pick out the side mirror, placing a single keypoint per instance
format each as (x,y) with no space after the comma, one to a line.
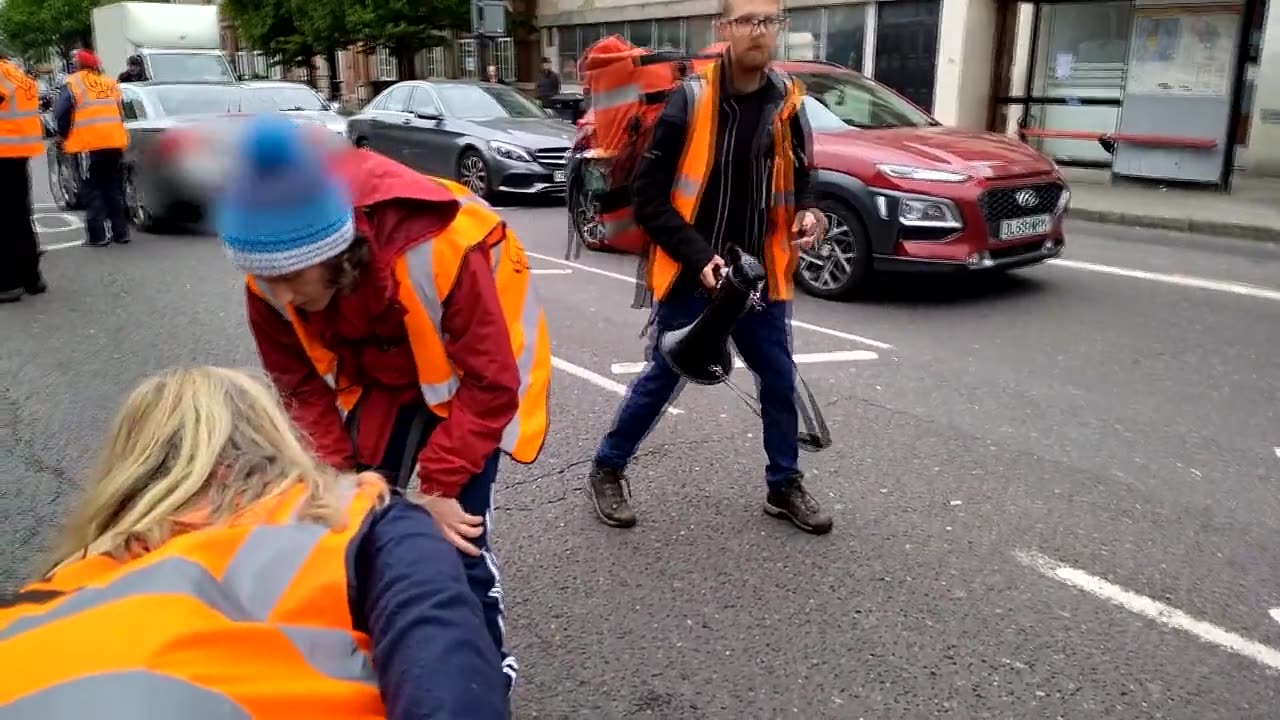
(422,115)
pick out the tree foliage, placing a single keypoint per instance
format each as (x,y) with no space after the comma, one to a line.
(406,25)
(32,26)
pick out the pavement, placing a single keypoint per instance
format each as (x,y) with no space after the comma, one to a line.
(1054,491)
(1249,211)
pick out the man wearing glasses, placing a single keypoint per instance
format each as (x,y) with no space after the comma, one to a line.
(728,165)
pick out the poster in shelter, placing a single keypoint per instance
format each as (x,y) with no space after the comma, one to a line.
(1182,51)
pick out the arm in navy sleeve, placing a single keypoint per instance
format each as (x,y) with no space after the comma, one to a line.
(63,110)
(433,657)
(651,190)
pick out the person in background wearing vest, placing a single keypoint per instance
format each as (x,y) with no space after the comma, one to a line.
(89,120)
(728,163)
(21,138)
(396,314)
(215,568)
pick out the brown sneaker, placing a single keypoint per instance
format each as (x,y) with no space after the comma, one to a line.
(611,496)
(791,501)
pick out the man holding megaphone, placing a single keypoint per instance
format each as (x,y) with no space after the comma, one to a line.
(727,166)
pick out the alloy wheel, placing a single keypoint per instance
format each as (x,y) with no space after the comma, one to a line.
(473,174)
(138,213)
(829,263)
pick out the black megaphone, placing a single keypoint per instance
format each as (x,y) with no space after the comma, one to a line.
(700,352)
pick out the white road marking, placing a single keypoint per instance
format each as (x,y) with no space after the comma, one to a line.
(794,323)
(1275,614)
(632,368)
(551,271)
(599,380)
(1154,610)
(1192,281)
(1277,449)
(62,246)
(69,222)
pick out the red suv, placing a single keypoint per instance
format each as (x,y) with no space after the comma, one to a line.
(901,192)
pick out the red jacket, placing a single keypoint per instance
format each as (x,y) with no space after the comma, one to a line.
(396,209)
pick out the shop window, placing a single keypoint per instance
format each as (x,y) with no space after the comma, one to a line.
(615,28)
(667,35)
(567,45)
(640,32)
(698,33)
(907,48)
(589,35)
(803,35)
(846,35)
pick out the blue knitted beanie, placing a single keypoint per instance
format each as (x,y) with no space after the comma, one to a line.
(281,210)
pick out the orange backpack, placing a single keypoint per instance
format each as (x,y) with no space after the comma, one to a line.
(629,87)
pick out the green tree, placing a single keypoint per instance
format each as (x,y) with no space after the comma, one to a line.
(269,26)
(31,27)
(406,26)
(326,26)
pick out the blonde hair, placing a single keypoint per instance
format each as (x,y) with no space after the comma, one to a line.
(202,442)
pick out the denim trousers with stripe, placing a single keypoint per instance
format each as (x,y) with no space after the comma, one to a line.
(476,498)
(762,338)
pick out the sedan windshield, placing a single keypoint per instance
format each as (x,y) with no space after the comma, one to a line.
(838,101)
(281,98)
(474,102)
(197,99)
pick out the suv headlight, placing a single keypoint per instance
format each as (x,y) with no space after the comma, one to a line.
(905,172)
(919,211)
(507,151)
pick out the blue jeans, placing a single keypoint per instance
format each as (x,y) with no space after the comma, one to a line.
(762,338)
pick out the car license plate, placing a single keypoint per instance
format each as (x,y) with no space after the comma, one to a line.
(1024,227)
(558,176)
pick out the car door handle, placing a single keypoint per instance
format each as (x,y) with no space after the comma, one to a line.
(406,121)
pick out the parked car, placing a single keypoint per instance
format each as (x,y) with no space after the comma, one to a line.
(160,185)
(901,192)
(489,137)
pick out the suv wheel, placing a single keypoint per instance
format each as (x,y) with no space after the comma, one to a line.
(838,263)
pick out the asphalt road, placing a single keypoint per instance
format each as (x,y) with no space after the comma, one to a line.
(1055,492)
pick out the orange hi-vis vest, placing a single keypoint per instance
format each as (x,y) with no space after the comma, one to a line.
(96,123)
(247,620)
(780,256)
(21,135)
(425,274)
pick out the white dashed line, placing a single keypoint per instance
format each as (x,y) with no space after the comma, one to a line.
(795,323)
(1191,281)
(599,380)
(551,271)
(633,368)
(1170,617)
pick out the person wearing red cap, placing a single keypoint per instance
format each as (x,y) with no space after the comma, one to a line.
(89,119)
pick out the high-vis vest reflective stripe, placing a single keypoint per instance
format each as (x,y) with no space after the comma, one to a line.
(426,273)
(780,257)
(21,135)
(249,620)
(96,123)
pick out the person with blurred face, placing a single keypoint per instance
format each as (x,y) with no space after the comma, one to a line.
(548,83)
(21,138)
(728,164)
(396,314)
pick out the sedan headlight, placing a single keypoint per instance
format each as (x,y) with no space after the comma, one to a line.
(507,151)
(905,172)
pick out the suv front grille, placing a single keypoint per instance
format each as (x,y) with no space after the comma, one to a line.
(1003,203)
(551,157)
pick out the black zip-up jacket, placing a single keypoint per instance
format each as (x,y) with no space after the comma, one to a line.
(734,205)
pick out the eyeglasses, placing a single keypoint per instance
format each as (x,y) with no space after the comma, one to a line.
(756,24)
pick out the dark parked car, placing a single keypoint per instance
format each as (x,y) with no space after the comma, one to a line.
(162,184)
(900,190)
(489,137)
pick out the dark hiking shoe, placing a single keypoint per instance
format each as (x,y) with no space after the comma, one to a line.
(121,239)
(790,501)
(97,243)
(11,296)
(611,495)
